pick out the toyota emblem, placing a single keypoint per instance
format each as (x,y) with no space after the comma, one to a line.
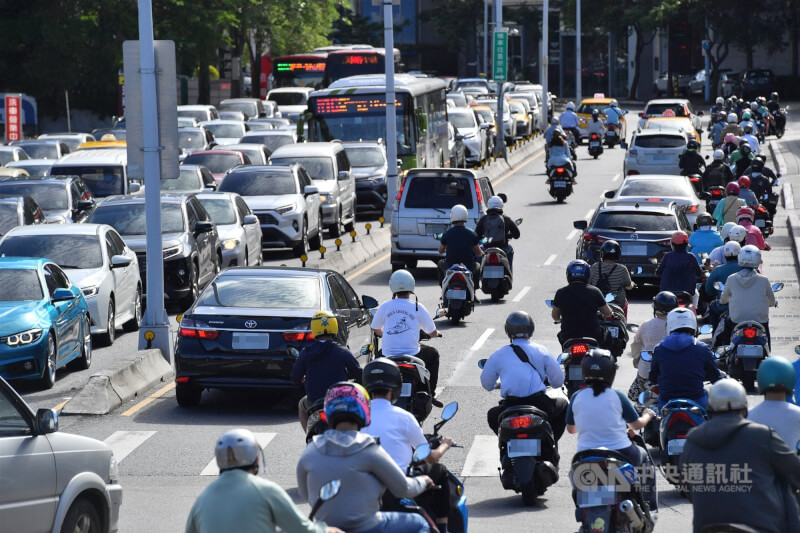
(250,324)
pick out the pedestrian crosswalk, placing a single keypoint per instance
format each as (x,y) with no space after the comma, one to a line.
(483,458)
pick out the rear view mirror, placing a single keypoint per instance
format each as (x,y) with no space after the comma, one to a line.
(705,329)
(344,175)
(777,287)
(481,363)
(85,204)
(120,261)
(560,358)
(329,490)
(133,188)
(518,221)
(610,194)
(580,224)
(310,189)
(422,452)
(369,302)
(644,397)
(46,421)
(449,411)
(63,295)
(646,356)
(719,286)
(609,297)
(204,226)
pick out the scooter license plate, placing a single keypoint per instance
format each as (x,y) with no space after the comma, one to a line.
(761,223)
(597,496)
(455,294)
(405,390)
(594,144)
(560,184)
(524,447)
(675,447)
(613,331)
(494,272)
(575,373)
(749,350)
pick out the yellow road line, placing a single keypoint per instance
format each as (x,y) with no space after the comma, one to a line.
(60,406)
(363,269)
(537,156)
(147,401)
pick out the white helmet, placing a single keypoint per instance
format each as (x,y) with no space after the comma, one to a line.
(737,233)
(571,106)
(720,100)
(733,118)
(719,155)
(613,103)
(458,213)
(727,395)
(754,105)
(495,202)
(401,281)
(731,249)
(681,318)
(750,257)
(726,229)
(238,448)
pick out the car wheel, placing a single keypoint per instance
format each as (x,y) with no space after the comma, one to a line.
(218,265)
(85,360)
(82,517)
(108,337)
(316,241)
(189,299)
(133,323)
(336,228)
(187,395)
(411,264)
(302,247)
(48,378)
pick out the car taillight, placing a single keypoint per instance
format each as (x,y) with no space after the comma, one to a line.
(493,259)
(589,238)
(750,333)
(691,209)
(195,329)
(518,422)
(478,192)
(654,199)
(298,336)
(578,349)
(634,153)
(402,186)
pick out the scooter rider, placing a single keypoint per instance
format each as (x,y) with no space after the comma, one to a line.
(321,363)
(745,217)
(647,337)
(613,114)
(728,207)
(399,434)
(595,125)
(717,110)
(717,173)
(746,194)
(715,132)
(460,245)
(522,368)
(755,147)
(610,277)
(717,255)
(577,304)
(741,158)
(721,274)
(776,379)
(705,238)
(732,127)
(691,162)
(560,155)
(679,270)
(555,125)
(569,121)
(241,500)
(761,177)
(756,472)
(497,227)
(398,322)
(680,362)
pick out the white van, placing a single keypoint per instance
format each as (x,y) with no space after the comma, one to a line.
(292,101)
(104,171)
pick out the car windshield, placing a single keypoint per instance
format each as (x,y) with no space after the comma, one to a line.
(187,180)
(216,163)
(586,109)
(41,150)
(220,210)
(462,120)
(191,138)
(19,285)
(263,293)
(319,168)
(517,107)
(199,114)
(654,110)
(438,193)
(129,219)
(67,251)
(9,216)
(365,156)
(226,131)
(656,188)
(6,156)
(487,115)
(248,108)
(104,180)
(259,183)
(458,98)
(33,169)
(288,98)
(477,83)
(659,141)
(49,196)
(632,221)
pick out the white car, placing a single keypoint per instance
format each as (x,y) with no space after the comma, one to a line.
(655,152)
(258,154)
(475,135)
(676,107)
(238,228)
(97,260)
(658,188)
(292,101)
(272,139)
(73,140)
(226,131)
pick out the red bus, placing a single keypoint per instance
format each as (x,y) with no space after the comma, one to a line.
(298,70)
(357,60)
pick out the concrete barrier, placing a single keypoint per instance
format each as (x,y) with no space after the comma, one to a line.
(787,199)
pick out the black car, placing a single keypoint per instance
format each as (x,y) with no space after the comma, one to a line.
(642,230)
(245,330)
(369,166)
(191,247)
(63,199)
(18,210)
(757,82)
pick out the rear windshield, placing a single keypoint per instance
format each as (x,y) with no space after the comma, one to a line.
(259,183)
(319,168)
(462,120)
(49,196)
(216,163)
(622,221)
(188,180)
(759,74)
(660,141)
(298,98)
(191,138)
(226,131)
(656,188)
(658,109)
(365,157)
(586,109)
(264,293)
(439,193)
(103,180)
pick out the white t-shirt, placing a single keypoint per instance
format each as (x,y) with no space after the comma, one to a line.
(398,430)
(783,417)
(401,320)
(602,421)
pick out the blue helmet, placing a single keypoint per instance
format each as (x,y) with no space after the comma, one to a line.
(578,270)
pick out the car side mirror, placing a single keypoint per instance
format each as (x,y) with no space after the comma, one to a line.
(580,224)
(719,286)
(518,221)
(610,194)
(369,302)
(62,295)
(308,190)
(203,226)
(459,137)
(481,363)
(46,421)
(83,205)
(344,175)
(399,164)
(485,126)
(249,219)
(133,188)
(120,261)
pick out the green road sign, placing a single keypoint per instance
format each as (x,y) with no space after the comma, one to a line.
(500,57)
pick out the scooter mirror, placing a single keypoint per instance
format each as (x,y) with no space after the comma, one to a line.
(609,297)
(560,358)
(364,351)
(637,270)
(421,453)
(797,447)
(438,236)
(633,328)
(705,329)
(503,197)
(449,411)
(719,352)
(777,287)
(549,303)
(481,363)
(719,286)
(518,221)
(797,349)
(329,490)
(646,356)
(644,397)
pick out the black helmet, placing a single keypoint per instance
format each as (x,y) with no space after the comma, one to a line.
(757,164)
(578,270)
(692,145)
(382,374)
(610,250)
(704,219)
(519,325)
(598,366)
(664,302)
(745,148)
(773,97)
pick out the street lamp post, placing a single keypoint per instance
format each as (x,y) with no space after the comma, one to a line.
(578,73)
(544,59)
(391,122)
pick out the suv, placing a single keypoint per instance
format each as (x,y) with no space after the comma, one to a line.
(191,248)
(655,152)
(642,230)
(369,167)
(53,481)
(63,199)
(286,202)
(757,82)
(329,167)
(423,210)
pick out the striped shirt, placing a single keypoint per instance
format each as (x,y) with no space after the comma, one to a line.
(618,278)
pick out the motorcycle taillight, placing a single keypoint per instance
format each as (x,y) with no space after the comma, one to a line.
(493,259)
(680,416)
(578,349)
(518,422)
(594,136)
(750,333)
(458,277)
(560,170)
(716,192)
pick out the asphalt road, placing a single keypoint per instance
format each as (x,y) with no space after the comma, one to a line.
(166,452)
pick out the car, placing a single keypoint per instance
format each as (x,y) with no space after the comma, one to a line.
(475,135)
(99,145)
(258,154)
(292,101)
(272,139)
(482,83)
(200,112)
(655,188)
(728,84)
(260,125)
(369,166)
(250,107)
(95,258)
(53,481)
(643,231)
(682,124)
(247,332)
(73,140)
(33,167)
(660,85)
(676,107)
(219,162)
(105,172)
(584,113)
(757,82)
(486,116)
(459,99)
(275,122)
(236,116)
(18,210)
(458,152)
(655,152)
(238,228)
(286,202)
(697,84)
(534,113)
(197,139)
(187,122)
(191,248)
(226,131)
(509,124)
(423,210)
(44,149)
(63,199)
(12,153)
(329,168)
(521,113)
(6,172)
(46,322)
(191,178)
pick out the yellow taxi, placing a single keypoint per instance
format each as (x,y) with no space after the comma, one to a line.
(487,113)
(673,123)
(584,112)
(521,117)
(95,145)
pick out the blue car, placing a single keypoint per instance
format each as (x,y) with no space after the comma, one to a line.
(44,321)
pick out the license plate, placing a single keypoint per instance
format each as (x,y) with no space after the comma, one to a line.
(661,157)
(575,373)
(675,447)
(250,341)
(613,331)
(405,391)
(749,350)
(594,144)
(597,497)
(453,294)
(634,249)
(761,223)
(524,447)
(559,184)
(494,272)
(434,229)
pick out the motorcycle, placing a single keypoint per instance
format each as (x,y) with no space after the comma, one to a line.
(317,422)
(695,178)
(778,122)
(528,452)
(712,196)
(573,352)
(595,146)
(612,135)
(763,220)
(560,180)
(496,275)
(458,293)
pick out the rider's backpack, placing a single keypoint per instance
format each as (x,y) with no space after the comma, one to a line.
(494,230)
(602,281)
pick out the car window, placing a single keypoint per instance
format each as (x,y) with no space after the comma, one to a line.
(50,281)
(202,214)
(33,213)
(187,180)
(20,284)
(62,281)
(110,249)
(305,179)
(9,216)
(429,192)
(630,221)
(659,141)
(486,190)
(259,183)
(658,109)
(241,207)
(208,177)
(119,244)
(655,188)
(342,161)
(12,422)
(69,251)
(220,210)
(462,120)
(129,219)
(319,168)
(352,299)
(75,194)
(338,298)
(191,216)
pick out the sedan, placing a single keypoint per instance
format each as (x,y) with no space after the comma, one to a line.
(97,260)
(19,211)
(219,162)
(258,154)
(226,131)
(45,321)
(238,228)
(44,149)
(247,329)
(655,189)
(655,152)
(272,139)
(475,134)
(63,199)
(192,140)
(73,140)
(192,178)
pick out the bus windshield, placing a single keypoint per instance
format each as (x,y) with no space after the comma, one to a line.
(299,71)
(343,65)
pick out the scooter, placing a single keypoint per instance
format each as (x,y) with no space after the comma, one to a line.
(317,422)
(595,146)
(528,452)
(458,293)
(496,275)
(713,196)
(573,352)
(612,135)
(763,220)
(560,179)
(327,492)
(695,178)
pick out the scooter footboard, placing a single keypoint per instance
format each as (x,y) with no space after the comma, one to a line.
(524,468)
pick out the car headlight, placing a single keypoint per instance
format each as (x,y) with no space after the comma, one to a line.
(285,209)
(88,292)
(24,337)
(230,244)
(323,198)
(113,469)
(172,252)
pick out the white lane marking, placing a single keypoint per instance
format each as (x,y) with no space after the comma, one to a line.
(550,259)
(616,177)
(124,442)
(589,214)
(572,234)
(263,439)
(483,458)
(482,339)
(455,378)
(521,294)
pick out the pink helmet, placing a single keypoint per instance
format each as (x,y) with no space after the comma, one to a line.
(730,137)
(745,212)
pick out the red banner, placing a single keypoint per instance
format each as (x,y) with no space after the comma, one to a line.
(13,118)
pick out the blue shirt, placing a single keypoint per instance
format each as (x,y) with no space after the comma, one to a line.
(613,114)
(460,244)
(721,274)
(679,271)
(716,131)
(680,366)
(749,197)
(704,241)
(568,119)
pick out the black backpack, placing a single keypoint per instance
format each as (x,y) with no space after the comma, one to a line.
(602,281)
(494,229)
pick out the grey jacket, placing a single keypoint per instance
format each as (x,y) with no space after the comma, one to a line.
(764,465)
(365,470)
(749,296)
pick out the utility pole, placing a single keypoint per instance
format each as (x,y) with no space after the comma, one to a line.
(544,59)
(391,122)
(578,73)
(486,37)
(498,26)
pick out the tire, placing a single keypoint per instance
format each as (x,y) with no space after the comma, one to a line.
(749,380)
(107,338)
(82,517)
(596,156)
(529,494)
(187,395)
(133,323)
(335,229)
(397,266)
(301,248)
(411,264)
(497,295)
(350,226)
(48,379)
(85,360)
(316,241)
(194,290)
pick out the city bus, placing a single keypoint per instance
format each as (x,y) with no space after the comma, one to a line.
(354,108)
(299,70)
(357,60)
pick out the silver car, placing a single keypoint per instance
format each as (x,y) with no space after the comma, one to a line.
(655,152)
(53,481)
(97,260)
(658,188)
(192,178)
(258,154)
(226,131)
(475,134)
(12,153)
(238,228)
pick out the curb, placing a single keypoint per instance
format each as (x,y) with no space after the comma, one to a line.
(107,390)
(787,198)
